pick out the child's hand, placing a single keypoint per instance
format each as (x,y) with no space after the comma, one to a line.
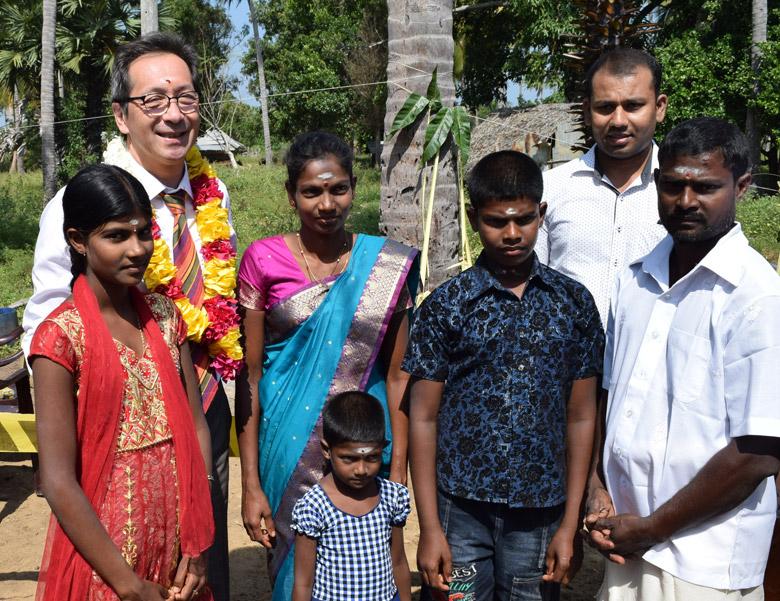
(256,513)
(434,560)
(564,557)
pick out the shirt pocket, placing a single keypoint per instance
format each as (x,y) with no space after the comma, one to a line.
(687,360)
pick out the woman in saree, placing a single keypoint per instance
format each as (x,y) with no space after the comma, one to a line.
(124,447)
(325,311)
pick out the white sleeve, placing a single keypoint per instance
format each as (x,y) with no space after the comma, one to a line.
(542,246)
(51,270)
(226,204)
(751,358)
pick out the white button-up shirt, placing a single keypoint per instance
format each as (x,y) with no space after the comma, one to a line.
(591,231)
(51,266)
(689,368)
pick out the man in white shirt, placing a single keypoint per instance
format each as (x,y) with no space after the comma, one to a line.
(683,500)
(601,207)
(147,73)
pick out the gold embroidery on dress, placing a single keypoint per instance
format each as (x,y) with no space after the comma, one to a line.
(129,548)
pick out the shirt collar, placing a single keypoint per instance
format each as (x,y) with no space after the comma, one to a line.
(586,164)
(723,260)
(482,279)
(153,186)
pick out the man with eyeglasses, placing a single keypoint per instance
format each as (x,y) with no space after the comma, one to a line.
(155,105)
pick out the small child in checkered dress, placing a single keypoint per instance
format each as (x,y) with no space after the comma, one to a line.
(349,537)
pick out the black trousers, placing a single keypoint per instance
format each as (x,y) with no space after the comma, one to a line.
(218,419)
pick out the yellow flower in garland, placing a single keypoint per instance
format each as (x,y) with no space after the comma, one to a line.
(219,278)
(197,319)
(212,222)
(229,344)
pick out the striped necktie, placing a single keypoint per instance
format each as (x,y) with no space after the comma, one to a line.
(188,271)
(185,257)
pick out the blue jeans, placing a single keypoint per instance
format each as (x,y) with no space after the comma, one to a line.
(497,552)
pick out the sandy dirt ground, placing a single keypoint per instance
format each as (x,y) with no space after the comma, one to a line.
(24,517)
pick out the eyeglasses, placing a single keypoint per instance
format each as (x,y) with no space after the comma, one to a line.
(157,104)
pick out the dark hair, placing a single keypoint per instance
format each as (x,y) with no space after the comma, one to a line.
(706,134)
(98,194)
(315,145)
(151,43)
(504,175)
(353,416)
(624,61)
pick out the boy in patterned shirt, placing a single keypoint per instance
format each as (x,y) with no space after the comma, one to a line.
(504,358)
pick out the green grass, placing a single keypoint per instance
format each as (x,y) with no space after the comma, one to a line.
(760,219)
(260,209)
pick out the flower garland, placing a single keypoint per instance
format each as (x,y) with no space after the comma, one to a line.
(215,324)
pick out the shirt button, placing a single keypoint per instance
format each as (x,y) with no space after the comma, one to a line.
(521,367)
(619,453)
(655,334)
(629,413)
(619,228)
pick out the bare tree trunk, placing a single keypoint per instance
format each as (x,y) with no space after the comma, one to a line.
(269,157)
(752,127)
(48,151)
(419,39)
(149,20)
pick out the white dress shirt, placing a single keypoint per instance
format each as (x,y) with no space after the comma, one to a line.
(691,367)
(51,265)
(591,231)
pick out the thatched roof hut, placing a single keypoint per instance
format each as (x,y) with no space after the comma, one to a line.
(545,131)
(215,144)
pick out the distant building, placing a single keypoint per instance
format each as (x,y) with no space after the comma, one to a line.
(216,145)
(546,132)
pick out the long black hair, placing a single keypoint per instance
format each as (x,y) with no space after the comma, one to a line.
(96,195)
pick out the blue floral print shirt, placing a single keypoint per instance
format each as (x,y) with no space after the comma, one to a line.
(508,365)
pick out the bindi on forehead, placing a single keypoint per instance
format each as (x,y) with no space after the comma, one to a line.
(689,171)
(364,450)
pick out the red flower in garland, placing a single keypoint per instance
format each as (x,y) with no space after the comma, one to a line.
(220,249)
(172,289)
(223,315)
(226,367)
(205,189)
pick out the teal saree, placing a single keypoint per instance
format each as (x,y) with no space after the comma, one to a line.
(320,342)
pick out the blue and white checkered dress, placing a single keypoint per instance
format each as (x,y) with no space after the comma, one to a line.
(353,552)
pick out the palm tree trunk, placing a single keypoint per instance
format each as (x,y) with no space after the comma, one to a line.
(149,20)
(48,151)
(752,127)
(419,39)
(263,89)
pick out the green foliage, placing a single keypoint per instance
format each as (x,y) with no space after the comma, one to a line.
(412,108)
(703,79)
(20,199)
(436,133)
(760,219)
(310,46)
(521,40)
(71,140)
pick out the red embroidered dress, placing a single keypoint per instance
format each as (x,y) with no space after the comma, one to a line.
(140,507)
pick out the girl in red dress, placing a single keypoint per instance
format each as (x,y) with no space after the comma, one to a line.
(123,444)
